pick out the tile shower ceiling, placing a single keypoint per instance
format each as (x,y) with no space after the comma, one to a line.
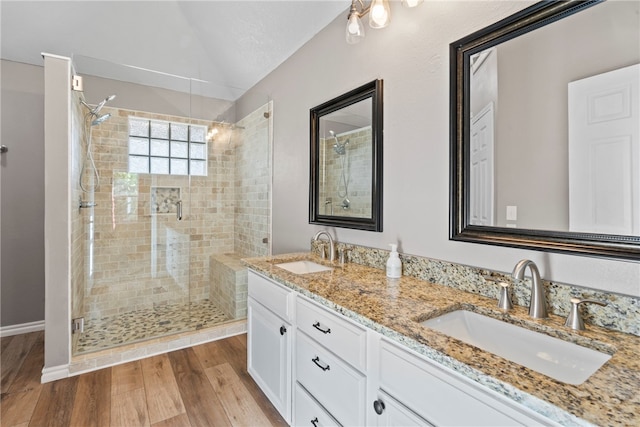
(231,44)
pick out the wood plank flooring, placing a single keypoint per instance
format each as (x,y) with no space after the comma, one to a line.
(206,385)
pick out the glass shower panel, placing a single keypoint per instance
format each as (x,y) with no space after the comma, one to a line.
(131,246)
(184,193)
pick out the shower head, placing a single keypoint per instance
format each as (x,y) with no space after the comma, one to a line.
(100,119)
(102,103)
(340,149)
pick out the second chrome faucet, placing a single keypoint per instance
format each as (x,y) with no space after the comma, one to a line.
(538,304)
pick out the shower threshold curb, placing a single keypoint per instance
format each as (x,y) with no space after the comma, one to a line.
(128,353)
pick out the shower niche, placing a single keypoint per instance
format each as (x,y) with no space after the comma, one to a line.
(345,185)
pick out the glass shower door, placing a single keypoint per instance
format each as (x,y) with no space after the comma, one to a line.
(136,232)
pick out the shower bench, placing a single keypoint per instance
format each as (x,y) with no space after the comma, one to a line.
(228,284)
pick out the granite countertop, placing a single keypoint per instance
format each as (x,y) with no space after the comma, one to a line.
(394,308)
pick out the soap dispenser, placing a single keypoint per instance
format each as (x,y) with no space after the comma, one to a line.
(394,265)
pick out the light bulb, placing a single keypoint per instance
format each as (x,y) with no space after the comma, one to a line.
(355,29)
(411,3)
(379,14)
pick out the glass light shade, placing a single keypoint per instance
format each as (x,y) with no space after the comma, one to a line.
(411,3)
(379,14)
(355,29)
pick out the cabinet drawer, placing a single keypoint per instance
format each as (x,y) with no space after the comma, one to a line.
(343,338)
(333,383)
(308,412)
(435,393)
(275,297)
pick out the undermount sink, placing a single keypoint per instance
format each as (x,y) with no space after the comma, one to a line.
(304,267)
(558,359)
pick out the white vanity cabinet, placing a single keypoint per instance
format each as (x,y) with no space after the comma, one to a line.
(343,373)
(270,331)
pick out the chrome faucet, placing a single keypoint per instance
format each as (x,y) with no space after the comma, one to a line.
(332,249)
(537,305)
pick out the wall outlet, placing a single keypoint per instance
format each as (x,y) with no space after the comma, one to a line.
(512,213)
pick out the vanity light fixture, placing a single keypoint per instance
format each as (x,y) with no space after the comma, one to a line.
(211,135)
(379,16)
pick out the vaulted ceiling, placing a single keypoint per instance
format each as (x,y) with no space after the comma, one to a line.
(231,45)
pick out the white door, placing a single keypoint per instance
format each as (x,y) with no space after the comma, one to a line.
(482,191)
(604,153)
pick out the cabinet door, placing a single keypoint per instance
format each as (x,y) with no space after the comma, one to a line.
(268,356)
(390,412)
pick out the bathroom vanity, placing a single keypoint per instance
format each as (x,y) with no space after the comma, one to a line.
(346,346)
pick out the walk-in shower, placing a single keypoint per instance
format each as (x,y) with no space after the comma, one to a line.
(168,208)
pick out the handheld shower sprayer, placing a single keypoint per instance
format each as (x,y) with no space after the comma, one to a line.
(341,151)
(100,119)
(91,119)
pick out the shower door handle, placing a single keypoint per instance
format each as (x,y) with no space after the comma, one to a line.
(3,149)
(179,210)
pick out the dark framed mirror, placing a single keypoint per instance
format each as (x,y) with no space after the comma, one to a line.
(544,139)
(345,185)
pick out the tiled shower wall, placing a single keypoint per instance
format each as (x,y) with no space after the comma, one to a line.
(135,258)
(357,169)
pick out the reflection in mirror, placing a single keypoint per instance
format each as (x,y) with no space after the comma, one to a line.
(546,137)
(346,166)
(345,162)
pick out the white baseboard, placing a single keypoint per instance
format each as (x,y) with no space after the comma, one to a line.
(54,373)
(23,328)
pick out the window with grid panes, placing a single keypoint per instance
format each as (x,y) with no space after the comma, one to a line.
(167,148)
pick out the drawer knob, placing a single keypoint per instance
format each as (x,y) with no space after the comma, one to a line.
(324,331)
(315,422)
(282,330)
(378,406)
(316,360)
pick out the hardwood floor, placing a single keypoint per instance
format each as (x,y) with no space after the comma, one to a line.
(206,385)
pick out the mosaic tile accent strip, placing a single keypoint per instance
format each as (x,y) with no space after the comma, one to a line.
(622,312)
(145,324)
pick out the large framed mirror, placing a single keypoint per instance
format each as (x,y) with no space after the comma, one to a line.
(345,185)
(545,133)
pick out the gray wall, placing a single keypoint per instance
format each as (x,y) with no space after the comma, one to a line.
(22,127)
(412,56)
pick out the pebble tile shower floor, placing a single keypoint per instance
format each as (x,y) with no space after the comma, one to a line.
(141,325)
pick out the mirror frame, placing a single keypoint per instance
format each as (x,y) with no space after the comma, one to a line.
(372,90)
(460,229)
